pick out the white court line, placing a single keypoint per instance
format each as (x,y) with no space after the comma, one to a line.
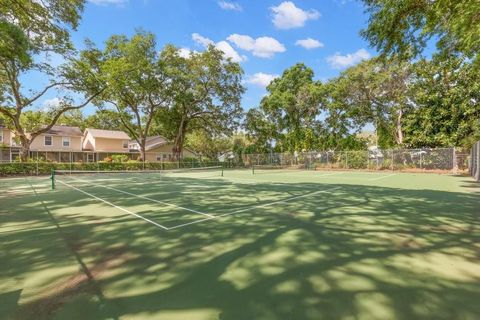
(189,223)
(149,199)
(252,207)
(115,206)
(390,175)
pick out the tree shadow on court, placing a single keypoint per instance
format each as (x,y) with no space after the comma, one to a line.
(356,251)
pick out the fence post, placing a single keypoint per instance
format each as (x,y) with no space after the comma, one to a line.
(454,161)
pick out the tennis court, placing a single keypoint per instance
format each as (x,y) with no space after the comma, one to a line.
(240,244)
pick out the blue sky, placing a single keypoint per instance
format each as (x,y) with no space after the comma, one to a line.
(266,36)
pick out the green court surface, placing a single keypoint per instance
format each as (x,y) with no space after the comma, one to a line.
(275,245)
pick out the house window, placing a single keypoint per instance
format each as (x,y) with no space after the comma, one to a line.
(164,156)
(48,140)
(125,144)
(159,157)
(66,141)
(1,136)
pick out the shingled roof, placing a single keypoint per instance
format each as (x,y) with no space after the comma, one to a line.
(109,134)
(65,131)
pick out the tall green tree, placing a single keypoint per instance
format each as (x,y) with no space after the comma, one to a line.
(375,91)
(28,29)
(207,89)
(292,105)
(445,104)
(134,75)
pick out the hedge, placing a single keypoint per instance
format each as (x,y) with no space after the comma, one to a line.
(45,168)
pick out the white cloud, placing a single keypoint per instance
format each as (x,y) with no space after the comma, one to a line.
(227,5)
(224,46)
(339,61)
(263,47)
(109,2)
(230,52)
(51,104)
(201,40)
(288,16)
(261,79)
(184,53)
(309,43)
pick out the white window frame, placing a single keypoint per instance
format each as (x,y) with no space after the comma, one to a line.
(90,157)
(66,139)
(45,141)
(125,143)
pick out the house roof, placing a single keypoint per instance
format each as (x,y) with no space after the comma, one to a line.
(154,142)
(109,134)
(65,131)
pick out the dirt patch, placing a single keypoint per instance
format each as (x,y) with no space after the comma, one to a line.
(54,296)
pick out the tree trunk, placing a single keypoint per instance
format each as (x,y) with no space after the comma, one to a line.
(399,133)
(25,148)
(142,149)
(179,140)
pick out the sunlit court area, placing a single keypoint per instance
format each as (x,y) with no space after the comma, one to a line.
(214,243)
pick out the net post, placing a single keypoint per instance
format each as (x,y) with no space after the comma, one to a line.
(222,170)
(52,177)
(253,169)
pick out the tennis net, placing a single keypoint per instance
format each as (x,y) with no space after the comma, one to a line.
(277,168)
(137,175)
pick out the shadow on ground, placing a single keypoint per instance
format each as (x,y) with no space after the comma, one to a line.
(358,252)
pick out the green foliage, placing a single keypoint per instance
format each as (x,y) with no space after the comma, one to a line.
(446,100)
(14,45)
(104,119)
(206,93)
(405,26)
(47,23)
(207,145)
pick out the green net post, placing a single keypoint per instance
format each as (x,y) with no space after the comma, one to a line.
(52,177)
(253,169)
(222,170)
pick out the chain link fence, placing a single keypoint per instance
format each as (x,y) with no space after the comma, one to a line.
(441,160)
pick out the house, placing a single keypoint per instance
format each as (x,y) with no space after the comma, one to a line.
(99,144)
(9,150)
(59,138)
(60,143)
(6,137)
(158,148)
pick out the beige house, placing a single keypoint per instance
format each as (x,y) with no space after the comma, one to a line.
(157,148)
(109,141)
(61,144)
(9,150)
(6,137)
(59,138)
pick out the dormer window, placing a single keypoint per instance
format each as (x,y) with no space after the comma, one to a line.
(48,141)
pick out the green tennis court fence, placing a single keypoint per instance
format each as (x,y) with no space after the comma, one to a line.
(475,161)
